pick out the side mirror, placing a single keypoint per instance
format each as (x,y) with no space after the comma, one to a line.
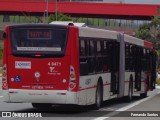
(4,35)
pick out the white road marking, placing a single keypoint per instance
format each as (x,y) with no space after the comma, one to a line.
(125,108)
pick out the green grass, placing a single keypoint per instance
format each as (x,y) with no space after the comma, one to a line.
(1,43)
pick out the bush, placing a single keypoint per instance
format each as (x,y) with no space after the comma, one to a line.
(158,81)
(1,53)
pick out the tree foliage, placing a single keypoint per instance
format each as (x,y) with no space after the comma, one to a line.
(143,32)
(60,17)
(151,32)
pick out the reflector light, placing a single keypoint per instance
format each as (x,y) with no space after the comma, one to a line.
(72,76)
(4,74)
(71,86)
(4,77)
(4,84)
(11,92)
(72,83)
(37,55)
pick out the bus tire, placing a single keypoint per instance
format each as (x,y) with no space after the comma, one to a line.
(99,96)
(130,92)
(41,105)
(143,95)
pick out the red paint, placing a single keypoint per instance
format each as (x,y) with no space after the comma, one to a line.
(80,8)
(38,55)
(148,44)
(106,84)
(126,81)
(87,88)
(40,65)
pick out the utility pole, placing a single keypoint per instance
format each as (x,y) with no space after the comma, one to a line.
(56,9)
(46,11)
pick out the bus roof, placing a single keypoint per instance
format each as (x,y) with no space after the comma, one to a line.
(97,33)
(102,33)
(67,23)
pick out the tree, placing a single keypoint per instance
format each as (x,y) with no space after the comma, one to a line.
(60,17)
(151,32)
(143,32)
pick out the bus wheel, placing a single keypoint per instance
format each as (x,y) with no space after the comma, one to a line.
(98,99)
(41,105)
(130,92)
(143,95)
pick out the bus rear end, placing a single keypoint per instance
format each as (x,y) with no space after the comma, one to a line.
(37,65)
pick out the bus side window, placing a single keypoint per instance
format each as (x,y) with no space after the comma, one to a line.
(129,57)
(83,57)
(99,49)
(91,48)
(99,58)
(82,48)
(148,60)
(91,57)
(105,54)
(144,60)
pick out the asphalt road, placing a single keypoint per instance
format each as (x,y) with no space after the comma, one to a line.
(111,107)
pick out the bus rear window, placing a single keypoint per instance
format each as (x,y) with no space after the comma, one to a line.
(38,40)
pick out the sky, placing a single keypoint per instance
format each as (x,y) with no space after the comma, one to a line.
(134,1)
(143,1)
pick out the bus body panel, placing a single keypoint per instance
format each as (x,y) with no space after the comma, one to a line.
(44,80)
(73,44)
(87,88)
(23,83)
(6,44)
(48,74)
(42,96)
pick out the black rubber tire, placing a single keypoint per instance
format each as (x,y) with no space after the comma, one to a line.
(98,97)
(143,95)
(130,92)
(130,95)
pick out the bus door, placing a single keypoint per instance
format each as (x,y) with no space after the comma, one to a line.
(153,70)
(114,49)
(138,67)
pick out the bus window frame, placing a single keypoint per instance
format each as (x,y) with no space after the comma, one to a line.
(43,53)
(87,58)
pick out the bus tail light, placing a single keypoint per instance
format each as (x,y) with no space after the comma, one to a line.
(72,81)
(4,78)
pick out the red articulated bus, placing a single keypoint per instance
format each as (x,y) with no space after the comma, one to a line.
(47,64)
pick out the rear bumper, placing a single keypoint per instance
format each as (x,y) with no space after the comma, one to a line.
(40,96)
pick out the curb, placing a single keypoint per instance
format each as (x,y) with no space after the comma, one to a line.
(157,86)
